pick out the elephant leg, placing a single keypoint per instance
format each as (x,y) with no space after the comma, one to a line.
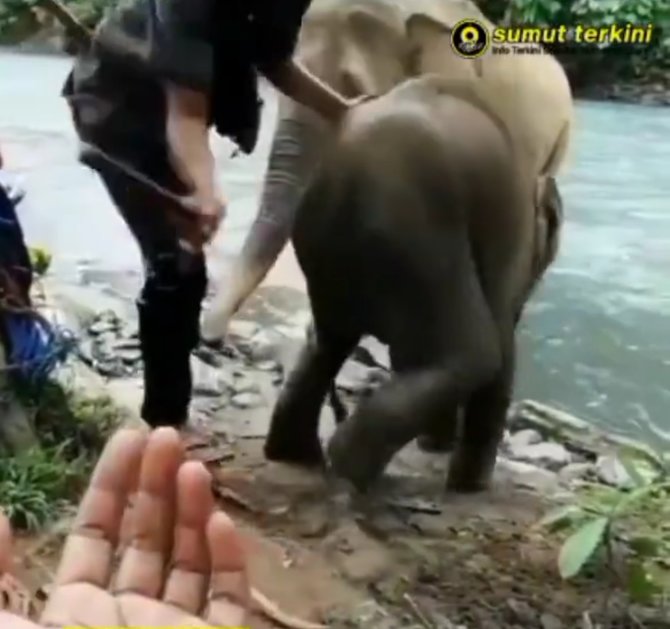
(440,436)
(440,432)
(466,341)
(473,461)
(294,427)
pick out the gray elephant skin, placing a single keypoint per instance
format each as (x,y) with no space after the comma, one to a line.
(366,47)
(421,227)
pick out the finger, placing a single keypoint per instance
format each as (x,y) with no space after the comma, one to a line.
(153,516)
(229,586)
(187,582)
(5,544)
(89,548)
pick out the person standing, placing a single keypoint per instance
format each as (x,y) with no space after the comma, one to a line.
(158,76)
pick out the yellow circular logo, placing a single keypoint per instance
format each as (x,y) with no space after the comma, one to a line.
(470,39)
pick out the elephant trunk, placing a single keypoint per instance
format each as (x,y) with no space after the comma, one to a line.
(293,154)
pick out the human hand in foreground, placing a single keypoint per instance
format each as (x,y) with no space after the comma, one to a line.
(184,564)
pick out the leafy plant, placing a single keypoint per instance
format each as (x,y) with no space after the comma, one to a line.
(35,485)
(40,260)
(636,521)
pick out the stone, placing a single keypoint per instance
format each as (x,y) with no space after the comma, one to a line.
(354,377)
(206,379)
(545,419)
(243,329)
(522,612)
(549,621)
(246,400)
(611,471)
(526,437)
(549,455)
(245,384)
(527,475)
(268,365)
(576,471)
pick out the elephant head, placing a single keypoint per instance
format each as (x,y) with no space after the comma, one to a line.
(358,47)
(367,47)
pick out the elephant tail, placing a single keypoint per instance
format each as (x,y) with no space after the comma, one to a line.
(558,151)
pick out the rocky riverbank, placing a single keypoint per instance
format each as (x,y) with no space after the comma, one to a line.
(474,562)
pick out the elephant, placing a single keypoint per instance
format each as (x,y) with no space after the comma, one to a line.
(366,47)
(421,227)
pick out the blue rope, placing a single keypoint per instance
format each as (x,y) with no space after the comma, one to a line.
(36,346)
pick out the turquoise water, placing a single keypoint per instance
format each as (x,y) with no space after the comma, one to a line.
(596,338)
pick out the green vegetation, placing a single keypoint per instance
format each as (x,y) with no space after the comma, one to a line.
(627,530)
(36,484)
(648,64)
(612,63)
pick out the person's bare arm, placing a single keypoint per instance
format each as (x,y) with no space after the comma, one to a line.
(295,81)
(188,139)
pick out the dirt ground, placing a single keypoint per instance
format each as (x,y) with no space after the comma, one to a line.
(408,555)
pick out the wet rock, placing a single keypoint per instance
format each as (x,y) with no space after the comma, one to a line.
(207,380)
(576,471)
(246,400)
(551,456)
(356,378)
(548,621)
(545,419)
(242,329)
(372,353)
(522,612)
(528,475)
(268,365)
(105,322)
(611,471)
(245,384)
(523,438)
(129,355)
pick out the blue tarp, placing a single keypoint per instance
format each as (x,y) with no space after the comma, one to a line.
(32,346)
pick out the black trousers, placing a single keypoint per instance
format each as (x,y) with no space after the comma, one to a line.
(125,116)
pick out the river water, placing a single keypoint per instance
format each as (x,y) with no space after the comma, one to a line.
(596,338)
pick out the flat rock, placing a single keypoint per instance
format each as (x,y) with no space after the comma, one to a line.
(528,475)
(246,400)
(207,380)
(549,455)
(611,471)
(523,438)
(243,329)
(576,471)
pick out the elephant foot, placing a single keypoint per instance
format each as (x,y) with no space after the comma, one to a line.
(294,451)
(355,458)
(435,444)
(471,470)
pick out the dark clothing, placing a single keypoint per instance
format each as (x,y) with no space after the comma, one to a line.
(118,104)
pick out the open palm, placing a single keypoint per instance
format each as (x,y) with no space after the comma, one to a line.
(183,565)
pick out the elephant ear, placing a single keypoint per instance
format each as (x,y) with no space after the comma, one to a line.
(549,213)
(430,24)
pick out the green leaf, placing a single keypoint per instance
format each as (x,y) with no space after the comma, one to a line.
(561,515)
(580,546)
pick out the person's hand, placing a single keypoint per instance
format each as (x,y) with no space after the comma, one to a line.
(349,106)
(199,219)
(184,564)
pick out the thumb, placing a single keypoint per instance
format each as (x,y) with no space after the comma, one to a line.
(6,558)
